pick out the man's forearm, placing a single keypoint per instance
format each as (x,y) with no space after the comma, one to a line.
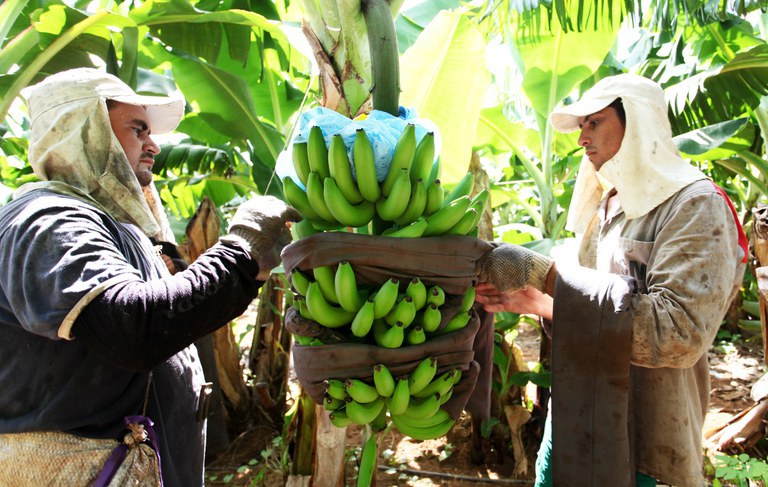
(136,325)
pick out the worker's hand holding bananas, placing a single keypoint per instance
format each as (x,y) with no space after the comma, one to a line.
(513,268)
(259,225)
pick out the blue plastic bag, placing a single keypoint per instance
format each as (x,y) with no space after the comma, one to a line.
(383,131)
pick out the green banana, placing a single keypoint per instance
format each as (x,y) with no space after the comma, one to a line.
(303,228)
(479,200)
(364,413)
(332,404)
(437,426)
(388,336)
(324,277)
(317,152)
(439,417)
(462,188)
(316,342)
(446,217)
(412,230)
(417,291)
(459,321)
(468,300)
(368,457)
(417,202)
(365,167)
(435,295)
(339,418)
(360,391)
(435,173)
(423,433)
(400,397)
(466,223)
(422,408)
(363,320)
(323,312)
(383,380)
(300,303)
(404,311)
(341,171)
(392,207)
(299,281)
(431,318)
(335,388)
(402,158)
(423,158)
(380,422)
(302,340)
(415,335)
(435,197)
(316,197)
(422,375)
(300,159)
(342,210)
(439,385)
(446,397)
(299,199)
(345,284)
(385,298)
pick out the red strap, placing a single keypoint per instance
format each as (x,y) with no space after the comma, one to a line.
(742,236)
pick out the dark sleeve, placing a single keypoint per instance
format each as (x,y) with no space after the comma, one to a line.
(138,324)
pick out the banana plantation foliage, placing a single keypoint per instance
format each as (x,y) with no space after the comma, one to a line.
(458,97)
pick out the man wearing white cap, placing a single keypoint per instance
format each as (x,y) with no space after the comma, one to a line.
(661,255)
(95,333)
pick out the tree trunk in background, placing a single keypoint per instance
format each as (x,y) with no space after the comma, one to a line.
(270,351)
(202,232)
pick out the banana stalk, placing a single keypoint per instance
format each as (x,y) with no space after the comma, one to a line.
(385,58)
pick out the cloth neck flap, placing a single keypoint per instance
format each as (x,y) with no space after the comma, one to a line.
(646,170)
(73,144)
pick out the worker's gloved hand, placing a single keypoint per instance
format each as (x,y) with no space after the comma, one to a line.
(259,225)
(512,268)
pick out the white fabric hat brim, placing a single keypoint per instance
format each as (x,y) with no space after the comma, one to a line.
(566,119)
(164,112)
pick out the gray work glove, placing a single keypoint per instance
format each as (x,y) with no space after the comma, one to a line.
(513,268)
(259,226)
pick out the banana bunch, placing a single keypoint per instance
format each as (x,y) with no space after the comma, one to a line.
(412,402)
(389,315)
(409,202)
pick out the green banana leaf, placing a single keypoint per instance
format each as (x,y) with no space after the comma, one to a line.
(716,141)
(224,101)
(58,28)
(443,77)
(410,22)
(557,62)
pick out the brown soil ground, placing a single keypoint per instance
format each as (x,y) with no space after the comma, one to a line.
(448,461)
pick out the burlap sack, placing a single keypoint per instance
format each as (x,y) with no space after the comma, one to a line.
(446,261)
(56,458)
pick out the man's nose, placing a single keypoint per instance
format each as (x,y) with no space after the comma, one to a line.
(584,140)
(151,147)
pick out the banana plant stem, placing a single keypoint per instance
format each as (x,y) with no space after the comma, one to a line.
(385,58)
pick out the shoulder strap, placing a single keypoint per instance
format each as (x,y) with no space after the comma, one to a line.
(742,235)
